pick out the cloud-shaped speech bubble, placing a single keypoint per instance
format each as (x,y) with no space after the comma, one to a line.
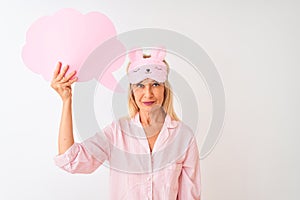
(70,37)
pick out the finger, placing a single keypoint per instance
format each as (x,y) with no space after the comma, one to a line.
(70,82)
(63,80)
(62,73)
(70,76)
(57,70)
(66,79)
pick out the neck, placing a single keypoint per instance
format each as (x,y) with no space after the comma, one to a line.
(145,118)
(155,117)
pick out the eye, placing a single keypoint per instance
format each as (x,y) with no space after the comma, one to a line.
(156,84)
(136,70)
(139,85)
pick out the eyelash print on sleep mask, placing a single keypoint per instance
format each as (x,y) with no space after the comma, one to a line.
(141,68)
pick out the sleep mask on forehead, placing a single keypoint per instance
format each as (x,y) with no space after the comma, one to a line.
(141,68)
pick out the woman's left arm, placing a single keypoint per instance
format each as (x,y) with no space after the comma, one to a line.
(189,180)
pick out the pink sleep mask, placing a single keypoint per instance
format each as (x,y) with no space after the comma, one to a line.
(141,68)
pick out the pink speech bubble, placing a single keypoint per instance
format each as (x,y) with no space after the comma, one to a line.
(69,37)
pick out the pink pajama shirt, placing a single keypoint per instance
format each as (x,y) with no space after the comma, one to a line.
(171,171)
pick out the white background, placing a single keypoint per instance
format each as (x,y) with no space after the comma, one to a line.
(255,47)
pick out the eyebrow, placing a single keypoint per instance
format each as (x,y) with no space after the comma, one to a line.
(142,82)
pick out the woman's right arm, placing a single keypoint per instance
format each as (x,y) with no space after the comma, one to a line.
(62,85)
(72,157)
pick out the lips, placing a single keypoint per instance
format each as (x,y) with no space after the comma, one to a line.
(148,103)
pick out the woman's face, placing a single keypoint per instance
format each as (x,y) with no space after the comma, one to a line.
(148,93)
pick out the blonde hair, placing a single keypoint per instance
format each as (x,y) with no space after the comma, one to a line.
(168,97)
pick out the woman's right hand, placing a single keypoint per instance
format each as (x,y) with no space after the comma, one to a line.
(62,83)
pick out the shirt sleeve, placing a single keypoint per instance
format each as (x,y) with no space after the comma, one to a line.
(85,157)
(189,180)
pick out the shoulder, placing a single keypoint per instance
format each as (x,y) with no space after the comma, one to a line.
(184,132)
(115,124)
(118,125)
(182,126)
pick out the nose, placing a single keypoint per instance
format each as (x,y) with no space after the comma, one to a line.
(148,91)
(147,70)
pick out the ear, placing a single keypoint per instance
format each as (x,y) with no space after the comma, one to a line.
(159,53)
(135,54)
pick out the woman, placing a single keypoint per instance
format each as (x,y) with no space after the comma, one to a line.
(152,155)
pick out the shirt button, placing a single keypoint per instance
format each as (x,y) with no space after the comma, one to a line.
(148,179)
